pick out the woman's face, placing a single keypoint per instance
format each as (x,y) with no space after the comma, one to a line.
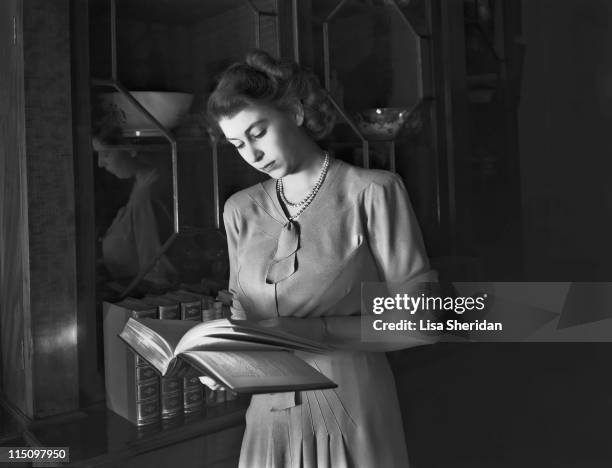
(119,163)
(266,138)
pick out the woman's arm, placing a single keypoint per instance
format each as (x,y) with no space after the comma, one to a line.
(231,220)
(344,333)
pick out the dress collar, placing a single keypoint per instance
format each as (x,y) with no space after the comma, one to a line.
(269,201)
(284,262)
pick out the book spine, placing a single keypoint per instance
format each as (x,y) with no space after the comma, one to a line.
(191,310)
(208,312)
(169,312)
(132,385)
(147,382)
(193,394)
(171,397)
(147,393)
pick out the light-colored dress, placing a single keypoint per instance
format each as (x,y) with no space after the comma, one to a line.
(132,240)
(360,227)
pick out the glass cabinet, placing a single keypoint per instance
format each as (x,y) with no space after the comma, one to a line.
(152,68)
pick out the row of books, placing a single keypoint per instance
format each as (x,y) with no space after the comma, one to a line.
(134,389)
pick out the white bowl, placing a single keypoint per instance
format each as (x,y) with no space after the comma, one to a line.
(168,108)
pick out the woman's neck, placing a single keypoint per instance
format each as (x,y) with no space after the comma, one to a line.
(299,183)
(145,174)
(144,177)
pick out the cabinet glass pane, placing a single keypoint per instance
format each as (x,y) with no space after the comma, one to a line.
(165,47)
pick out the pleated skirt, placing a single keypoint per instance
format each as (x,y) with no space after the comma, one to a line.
(357,424)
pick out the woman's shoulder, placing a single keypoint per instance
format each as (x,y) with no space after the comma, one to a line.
(346,178)
(245,197)
(355,180)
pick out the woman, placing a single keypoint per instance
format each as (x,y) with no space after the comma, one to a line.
(300,246)
(134,239)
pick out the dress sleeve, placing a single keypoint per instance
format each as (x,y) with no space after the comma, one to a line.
(394,235)
(231,220)
(397,246)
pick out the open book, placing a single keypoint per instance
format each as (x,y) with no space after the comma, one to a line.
(245,357)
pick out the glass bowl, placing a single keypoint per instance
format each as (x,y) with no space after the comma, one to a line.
(381,123)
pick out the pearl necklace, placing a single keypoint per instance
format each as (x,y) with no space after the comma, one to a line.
(307,200)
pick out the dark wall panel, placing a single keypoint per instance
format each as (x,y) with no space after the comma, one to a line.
(51,211)
(13,206)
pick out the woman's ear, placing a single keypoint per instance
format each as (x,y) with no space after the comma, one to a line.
(299,114)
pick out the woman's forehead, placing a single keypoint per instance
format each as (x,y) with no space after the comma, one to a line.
(238,124)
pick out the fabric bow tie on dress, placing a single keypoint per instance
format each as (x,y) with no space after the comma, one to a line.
(284,262)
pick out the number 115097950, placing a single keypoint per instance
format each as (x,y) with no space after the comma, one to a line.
(33,454)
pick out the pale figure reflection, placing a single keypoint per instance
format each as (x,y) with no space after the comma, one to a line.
(137,233)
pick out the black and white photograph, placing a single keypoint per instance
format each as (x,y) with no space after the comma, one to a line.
(305,233)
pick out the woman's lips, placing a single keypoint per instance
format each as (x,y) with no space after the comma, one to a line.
(268,166)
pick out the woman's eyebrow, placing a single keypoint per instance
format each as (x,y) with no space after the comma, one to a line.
(249,128)
(257,122)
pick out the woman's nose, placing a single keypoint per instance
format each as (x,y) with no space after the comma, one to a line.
(254,154)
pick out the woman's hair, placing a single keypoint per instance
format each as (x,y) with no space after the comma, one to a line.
(262,79)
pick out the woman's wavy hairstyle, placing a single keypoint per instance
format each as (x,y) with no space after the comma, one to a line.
(262,79)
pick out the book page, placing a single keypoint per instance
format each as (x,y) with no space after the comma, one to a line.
(150,346)
(244,331)
(215,343)
(170,330)
(154,340)
(255,328)
(258,371)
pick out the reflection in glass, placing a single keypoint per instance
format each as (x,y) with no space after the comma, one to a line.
(134,237)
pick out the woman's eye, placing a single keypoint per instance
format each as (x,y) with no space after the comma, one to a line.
(259,133)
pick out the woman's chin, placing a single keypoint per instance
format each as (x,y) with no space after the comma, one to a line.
(122,174)
(275,173)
